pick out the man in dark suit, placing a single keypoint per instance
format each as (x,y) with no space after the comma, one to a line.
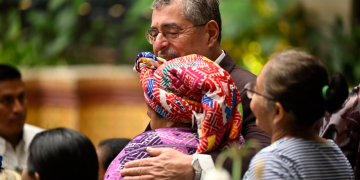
(179,28)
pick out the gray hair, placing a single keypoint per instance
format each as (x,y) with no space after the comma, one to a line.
(197,11)
(268,103)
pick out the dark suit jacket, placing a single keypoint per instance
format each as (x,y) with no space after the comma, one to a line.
(249,129)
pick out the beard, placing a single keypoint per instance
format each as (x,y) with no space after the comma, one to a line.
(168,52)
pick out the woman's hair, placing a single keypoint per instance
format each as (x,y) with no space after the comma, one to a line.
(296,79)
(112,148)
(62,153)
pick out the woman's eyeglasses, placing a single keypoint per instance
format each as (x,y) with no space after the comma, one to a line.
(249,87)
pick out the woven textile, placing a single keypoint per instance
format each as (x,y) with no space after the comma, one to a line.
(297,159)
(184,140)
(193,89)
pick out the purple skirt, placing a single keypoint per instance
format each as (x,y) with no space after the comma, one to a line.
(184,140)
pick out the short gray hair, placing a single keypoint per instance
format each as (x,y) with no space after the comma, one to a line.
(197,11)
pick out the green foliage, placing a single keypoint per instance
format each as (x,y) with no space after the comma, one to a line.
(138,20)
(36,37)
(237,154)
(252,30)
(255,29)
(340,52)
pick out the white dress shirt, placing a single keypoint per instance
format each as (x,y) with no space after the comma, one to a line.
(220,58)
(16,159)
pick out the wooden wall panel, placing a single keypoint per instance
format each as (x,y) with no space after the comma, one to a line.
(100,101)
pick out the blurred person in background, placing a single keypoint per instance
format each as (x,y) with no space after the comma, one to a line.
(192,104)
(344,128)
(184,27)
(291,94)
(59,154)
(107,150)
(15,135)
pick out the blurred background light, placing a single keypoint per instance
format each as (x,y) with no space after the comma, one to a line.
(25,4)
(116,10)
(84,8)
(284,27)
(253,63)
(255,47)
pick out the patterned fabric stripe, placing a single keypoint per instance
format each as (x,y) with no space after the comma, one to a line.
(164,102)
(211,142)
(149,88)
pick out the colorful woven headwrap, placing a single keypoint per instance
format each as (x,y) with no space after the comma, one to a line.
(193,89)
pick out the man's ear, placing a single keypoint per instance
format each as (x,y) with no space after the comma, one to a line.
(212,30)
(170,124)
(279,113)
(37,176)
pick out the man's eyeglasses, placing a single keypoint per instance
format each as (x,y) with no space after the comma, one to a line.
(249,87)
(171,33)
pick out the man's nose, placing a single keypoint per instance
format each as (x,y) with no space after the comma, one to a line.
(18,106)
(161,43)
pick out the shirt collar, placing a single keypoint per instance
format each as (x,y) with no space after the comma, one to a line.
(2,145)
(21,142)
(220,58)
(27,138)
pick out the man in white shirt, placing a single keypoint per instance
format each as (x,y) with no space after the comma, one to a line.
(15,135)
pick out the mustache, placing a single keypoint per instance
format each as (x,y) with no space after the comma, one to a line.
(168,52)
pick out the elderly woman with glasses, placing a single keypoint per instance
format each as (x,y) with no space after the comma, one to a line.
(290,95)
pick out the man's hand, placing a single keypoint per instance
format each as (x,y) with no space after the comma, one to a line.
(166,164)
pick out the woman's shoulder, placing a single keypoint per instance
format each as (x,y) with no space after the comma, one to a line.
(269,165)
(296,158)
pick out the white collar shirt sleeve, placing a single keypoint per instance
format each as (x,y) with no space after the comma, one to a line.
(16,159)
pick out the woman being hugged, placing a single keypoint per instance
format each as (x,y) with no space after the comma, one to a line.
(290,95)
